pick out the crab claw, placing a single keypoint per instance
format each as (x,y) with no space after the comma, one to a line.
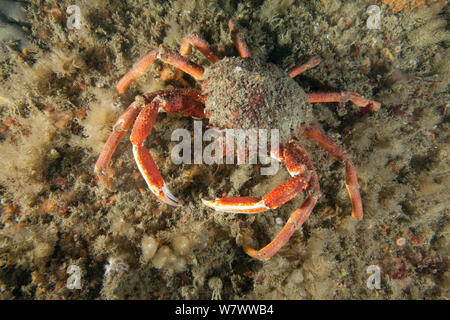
(166,196)
(237,205)
(152,176)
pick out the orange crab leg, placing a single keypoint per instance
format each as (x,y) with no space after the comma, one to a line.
(142,128)
(283,193)
(119,129)
(302,67)
(351,179)
(238,39)
(164,55)
(190,102)
(192,105)
(278,196)
(297,160)
(297,218)
(237,204)
(144,159)
(343,96)
(202,45)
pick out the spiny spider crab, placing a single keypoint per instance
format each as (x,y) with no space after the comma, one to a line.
(239,92)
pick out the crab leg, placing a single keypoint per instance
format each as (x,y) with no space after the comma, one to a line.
(343,96)
(119,129)
(238,39)
(164,55)
(141,129)
(278,196)
(193,106)
(351,179)
(302,67)
(202,45)
(299,216)
(300,179)
(190,102)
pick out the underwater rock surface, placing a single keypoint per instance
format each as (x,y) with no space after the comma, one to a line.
(58,104)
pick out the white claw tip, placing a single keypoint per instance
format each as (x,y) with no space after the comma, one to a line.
(207,203)
(169,198)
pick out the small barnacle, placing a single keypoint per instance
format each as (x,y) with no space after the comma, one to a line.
(181,245)
(43,250)
(400,241)
(162,257)
(165,258)
(149,245)
(115,265)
